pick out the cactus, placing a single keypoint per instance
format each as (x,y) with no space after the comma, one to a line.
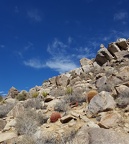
(55,116)
(90,95)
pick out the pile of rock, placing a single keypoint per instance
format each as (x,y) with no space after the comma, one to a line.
(87,105)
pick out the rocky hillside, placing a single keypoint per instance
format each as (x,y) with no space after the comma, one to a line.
(88,105)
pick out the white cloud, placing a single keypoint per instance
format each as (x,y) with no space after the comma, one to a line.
(120,15)
(34,63)
(63,57)
(34,15)
(61,65)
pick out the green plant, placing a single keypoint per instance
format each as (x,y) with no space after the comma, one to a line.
(44,94)
(35,94)
(69,90)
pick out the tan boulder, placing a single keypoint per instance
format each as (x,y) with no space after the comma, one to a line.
(102,101)
(7,135)
(110,120)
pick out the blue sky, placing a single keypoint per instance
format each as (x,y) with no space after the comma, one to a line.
(40,39)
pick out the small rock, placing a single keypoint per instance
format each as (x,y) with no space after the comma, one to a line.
(66,119)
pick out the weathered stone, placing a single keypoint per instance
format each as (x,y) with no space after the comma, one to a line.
(17,110)
(101,81)
(13,92)
(86,68)
(10,100)
(124,73)
(113,48)
(121,54)
(110,119)
(53,80)
(78,71)
(100,136)
(103,56)
(122,99)
(66,119)
(2,124)
(10,124)
(7,135)
(122,44)
(85,61)
(62,80)
(102,101)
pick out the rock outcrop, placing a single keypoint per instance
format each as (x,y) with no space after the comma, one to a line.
(88,105)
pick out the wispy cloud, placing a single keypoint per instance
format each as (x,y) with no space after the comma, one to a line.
(34,15)
(63,57)
(3,93)
(28,47)
(34,63)
(120,15)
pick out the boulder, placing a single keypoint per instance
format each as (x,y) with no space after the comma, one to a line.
(2,124)
(10,124)
(121,54)
(101,81)
(124,73)
(122,44)
(85,61)
(13,92)
(17,110)
(113,48)
(62,80)
(101,102)
(110,120)
(122,98)
(7,135)
(103,56)
(100,136)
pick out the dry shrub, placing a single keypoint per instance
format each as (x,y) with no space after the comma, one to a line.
(5,109)
(28,122)
(61,106)
(33,103)
(23,95)
(90,95)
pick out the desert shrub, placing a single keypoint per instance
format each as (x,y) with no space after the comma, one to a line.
(5,109)
(55,116)
(61,106)
(69,91)
(35,94)
(22,96)
(75,97)
(33,103)
(44,94)
(59,91)
(90,95)
(28,122)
